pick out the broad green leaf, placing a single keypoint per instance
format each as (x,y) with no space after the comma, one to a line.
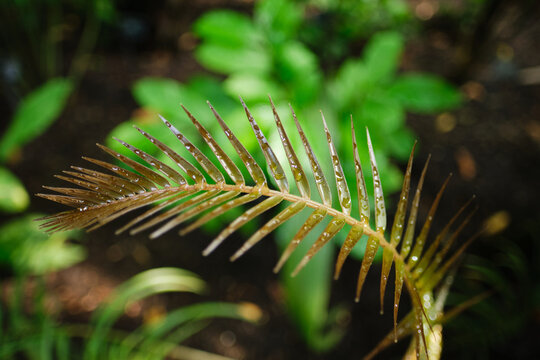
(252,87)
(296,61)
(13,195)
(226,27)
(425,93)
(400,142)
(398,9)
(298,67)
(350,85)
(200,89)
(209,88)
(159,94)
(164,96)
(279,19)
(229,59)
(169,330)
(308,293)
(29,251)
(246,311)
(380,113)
(125,131)
(382,55)
(36,112)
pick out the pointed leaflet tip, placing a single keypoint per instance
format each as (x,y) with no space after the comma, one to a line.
(380,208)
(299,176)
(421,239)
(320,180)
(341,183)
(180,161)
(205,163)
(411,222)
(397,228)
(363,199)
(380,221)
(271,159)
(251,165)
(143,170)
(431,269)
(230,167)
(169,172)
(165,121)
(433,248)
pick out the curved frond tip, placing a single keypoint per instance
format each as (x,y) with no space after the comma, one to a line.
(176,194)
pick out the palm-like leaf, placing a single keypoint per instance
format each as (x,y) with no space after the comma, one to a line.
(101,198)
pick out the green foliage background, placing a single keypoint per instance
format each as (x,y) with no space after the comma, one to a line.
(281,51)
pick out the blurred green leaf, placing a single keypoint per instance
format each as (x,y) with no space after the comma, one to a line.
(29,251)
(400,142)
(13,195)
(151,282)
(207,88)
(173,326)
(425,93)
(164,96)
(104,10)
(228,28)
(252,87)
(36,112)
(226,59)
(125,131)
(393,176)
(380,113)
(296,61)
(142,285)
(159,94)
(279,19)
(298,67)
(382,54)
(155,96)
(308,293)
(40,335)
(350,84)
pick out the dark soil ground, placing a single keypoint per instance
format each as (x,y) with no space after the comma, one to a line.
(492,145)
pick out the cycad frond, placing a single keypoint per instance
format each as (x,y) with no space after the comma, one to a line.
(178,198)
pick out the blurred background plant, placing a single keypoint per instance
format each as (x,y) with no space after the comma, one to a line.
(375,60)
(37,80)
(302,53)
(31,330)
(511,276)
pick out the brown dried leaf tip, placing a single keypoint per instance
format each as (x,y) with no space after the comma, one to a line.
(176,195)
